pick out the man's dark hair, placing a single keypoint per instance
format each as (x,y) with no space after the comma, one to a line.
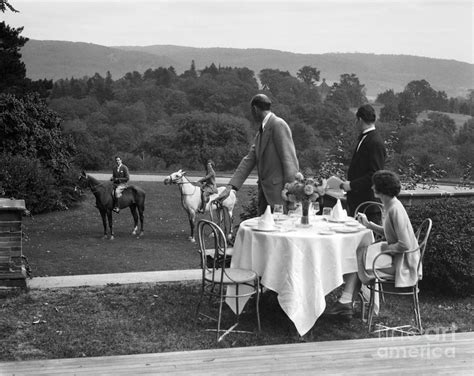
(386,182)
(367,113)
(262,102)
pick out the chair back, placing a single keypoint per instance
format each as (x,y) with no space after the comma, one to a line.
(212,241)
(369,206)
(423,233)
(220,215)
(372,206)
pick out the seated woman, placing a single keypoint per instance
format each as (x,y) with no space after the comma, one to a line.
(400,237)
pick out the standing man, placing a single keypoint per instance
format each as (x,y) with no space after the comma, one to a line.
(119,178)
(368,158)
(273,153)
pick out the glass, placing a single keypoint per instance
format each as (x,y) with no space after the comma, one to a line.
(327,212)
(292,213)
(299,208)
(316,208)
(277,212)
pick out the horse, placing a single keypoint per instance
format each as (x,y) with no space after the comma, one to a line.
(191,200)
(132,197)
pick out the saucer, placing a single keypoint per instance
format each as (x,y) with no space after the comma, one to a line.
(326,232)
(337,220)
(273,229)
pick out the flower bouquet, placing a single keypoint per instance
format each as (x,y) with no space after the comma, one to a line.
(305,191)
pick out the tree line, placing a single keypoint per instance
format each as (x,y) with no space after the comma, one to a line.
(158,120)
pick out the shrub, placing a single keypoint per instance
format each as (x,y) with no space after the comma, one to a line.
(447,263)
(25,178)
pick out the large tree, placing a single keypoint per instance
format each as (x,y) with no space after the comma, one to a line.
(12,69)
(350,87)
(309,75)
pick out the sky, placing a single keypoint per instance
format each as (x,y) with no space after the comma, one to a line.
(432,28)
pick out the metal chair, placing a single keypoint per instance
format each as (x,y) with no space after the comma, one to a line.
(388,281)
(217,276)
(377,211)
(372,207)
(220,216)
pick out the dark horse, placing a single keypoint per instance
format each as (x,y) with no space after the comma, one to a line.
(132,197)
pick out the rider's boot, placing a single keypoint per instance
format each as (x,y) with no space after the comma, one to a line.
(202,208)
(116,208)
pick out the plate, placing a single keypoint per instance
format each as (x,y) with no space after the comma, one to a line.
(337,220)
(305,225)
(326,232)
(352,224)
(266,229)
(347,230)
(251,222)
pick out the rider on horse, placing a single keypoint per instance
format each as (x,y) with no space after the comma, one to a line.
(208,185)
(119,178)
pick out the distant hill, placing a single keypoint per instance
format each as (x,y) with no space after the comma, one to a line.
(55,59)
(59,59)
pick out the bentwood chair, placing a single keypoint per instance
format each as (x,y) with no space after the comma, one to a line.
(220,216)
(377,213)
(217,277)
(388,282)
(376,210)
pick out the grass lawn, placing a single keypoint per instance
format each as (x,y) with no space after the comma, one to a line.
(70,242)
(118,320)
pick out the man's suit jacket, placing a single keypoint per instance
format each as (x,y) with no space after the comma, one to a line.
(368,159)
(121,175)
(274,154)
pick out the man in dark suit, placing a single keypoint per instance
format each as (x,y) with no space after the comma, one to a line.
(120,177)
(273,153)
(369,156)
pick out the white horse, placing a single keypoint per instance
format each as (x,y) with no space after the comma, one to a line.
(191,200)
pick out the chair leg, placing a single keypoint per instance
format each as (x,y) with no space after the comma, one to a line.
(370,314)
(258,304)
(363,307)
(199,304)
(381,294)
(219,318)
(416,307)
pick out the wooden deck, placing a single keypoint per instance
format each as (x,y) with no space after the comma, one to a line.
(449,354)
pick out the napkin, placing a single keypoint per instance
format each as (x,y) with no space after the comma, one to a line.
(266,221)
(333,182)
(338,213)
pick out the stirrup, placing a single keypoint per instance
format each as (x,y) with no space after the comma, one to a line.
(116,210)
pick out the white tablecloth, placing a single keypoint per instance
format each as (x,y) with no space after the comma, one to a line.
(302,266)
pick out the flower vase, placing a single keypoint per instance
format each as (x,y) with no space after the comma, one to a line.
(305,210)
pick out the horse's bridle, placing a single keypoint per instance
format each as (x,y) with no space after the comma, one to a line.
(180,181)
(89,184)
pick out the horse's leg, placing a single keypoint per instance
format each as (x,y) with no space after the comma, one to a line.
(140,213)
(109,217)
(133,210)
(192,221)
(104,222)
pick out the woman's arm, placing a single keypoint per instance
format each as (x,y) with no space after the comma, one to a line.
(362,218)
(400,223)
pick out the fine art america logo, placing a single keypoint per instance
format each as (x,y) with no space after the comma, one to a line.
(434,344)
